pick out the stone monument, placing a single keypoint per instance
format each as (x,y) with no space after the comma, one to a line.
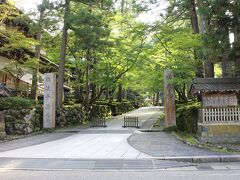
(169,100)
(49,111)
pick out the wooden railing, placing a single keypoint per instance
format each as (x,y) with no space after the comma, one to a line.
(130,121)
(219,115)
(98,122)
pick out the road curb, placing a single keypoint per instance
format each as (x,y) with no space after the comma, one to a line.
(150,130)
(202,159)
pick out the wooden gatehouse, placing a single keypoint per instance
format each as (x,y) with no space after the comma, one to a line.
(219,116)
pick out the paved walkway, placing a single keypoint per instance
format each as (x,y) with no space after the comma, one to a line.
(161,144)
(113,142)
(92,143)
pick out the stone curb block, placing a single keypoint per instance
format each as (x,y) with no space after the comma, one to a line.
(202,159)
(205,159)
(232,158)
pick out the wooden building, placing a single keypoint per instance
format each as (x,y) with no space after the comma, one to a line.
(219,116)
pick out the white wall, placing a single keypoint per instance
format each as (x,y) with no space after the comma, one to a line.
(27,77)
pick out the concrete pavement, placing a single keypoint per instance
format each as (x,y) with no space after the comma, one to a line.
(92,143)
(113,142)
(161,144)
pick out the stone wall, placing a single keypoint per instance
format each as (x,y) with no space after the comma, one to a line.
(21,122)
(219,132)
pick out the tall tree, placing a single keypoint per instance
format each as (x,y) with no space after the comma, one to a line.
(61,71)
(208,64)
(34,87)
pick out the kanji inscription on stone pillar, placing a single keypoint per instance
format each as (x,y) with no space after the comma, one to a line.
(169,100)
(49,111)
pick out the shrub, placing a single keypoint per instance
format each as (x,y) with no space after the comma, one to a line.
(187,116)
(15,103)
(118,108)
(100,111)
(71,115)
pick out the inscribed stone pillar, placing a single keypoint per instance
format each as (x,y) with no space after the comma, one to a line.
(169,100)
(2,125)
(49,111)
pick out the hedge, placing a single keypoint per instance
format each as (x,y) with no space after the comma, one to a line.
(117,108)
(187,116)
(16,103)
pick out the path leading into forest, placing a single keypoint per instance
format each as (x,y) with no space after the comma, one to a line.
(113,142)
(91,143)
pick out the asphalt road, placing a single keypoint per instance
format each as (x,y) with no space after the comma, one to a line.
(121,175)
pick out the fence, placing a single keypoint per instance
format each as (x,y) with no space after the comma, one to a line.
(98,122)
(219,115)
(130,121)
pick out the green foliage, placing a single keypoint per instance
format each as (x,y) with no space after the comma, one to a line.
(15,103)
(71,115)
(100,110)
(187,116)
(115,108)
(118,108)
(74,115)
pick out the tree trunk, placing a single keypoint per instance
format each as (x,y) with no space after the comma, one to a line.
(94,93)
(209,68)
(61,71)
(125,94)
(34,86)
(17,86)
(237,40)
(78,87)
(157,98)
(208,64)
(87,86)
(237,50)
(194,18)
(225,67)
(120,90)
(111,95)
(226,64)
(195,27)
(107,93)
(122,6)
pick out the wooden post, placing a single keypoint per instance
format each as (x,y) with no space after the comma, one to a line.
(2,125)
(169,100)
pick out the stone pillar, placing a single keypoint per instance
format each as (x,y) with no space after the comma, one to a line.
(2,125)
(169,100)
(49,111)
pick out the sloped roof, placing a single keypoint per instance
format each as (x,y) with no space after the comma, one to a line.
(201,85)
(4,91)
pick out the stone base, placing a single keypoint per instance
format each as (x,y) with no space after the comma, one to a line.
(219,132)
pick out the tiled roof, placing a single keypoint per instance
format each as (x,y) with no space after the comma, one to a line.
(4,91)
(200,85)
